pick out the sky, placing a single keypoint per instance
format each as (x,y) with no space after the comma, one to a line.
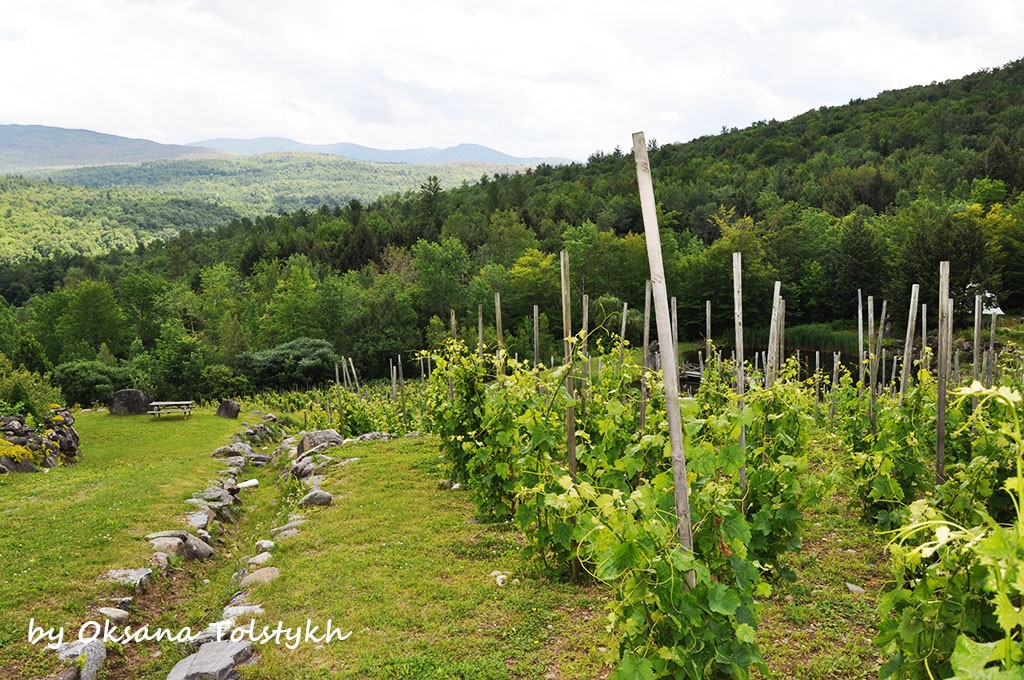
(550,78)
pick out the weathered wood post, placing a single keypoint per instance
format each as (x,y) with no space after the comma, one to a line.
(341,414)
(536,335)
(570,412)
(943,370)
(908,343)
(480,332)
(671,372)
(497,322)
(737,304)
(860,341)
(646,355)
(977,347)
(707,326)
(771,365)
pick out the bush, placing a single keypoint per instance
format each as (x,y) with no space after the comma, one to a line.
(90,382)
(301,362)
(24,392)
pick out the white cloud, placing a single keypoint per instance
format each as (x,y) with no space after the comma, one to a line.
(528,77)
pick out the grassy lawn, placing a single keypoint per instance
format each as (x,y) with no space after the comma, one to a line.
(395,562)
(61,530)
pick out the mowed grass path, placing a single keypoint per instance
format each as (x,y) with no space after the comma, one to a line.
(395,562)
(60,531)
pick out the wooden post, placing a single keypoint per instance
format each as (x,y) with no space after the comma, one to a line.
(943,370)
(646,355)
(497,321)
(737,305)
(401,384)
(570,412)
(781,356)
(622,335)
(355,376)
(772,363)
(455,329)
(817,376)
(675,430)
(992,352)
(908,343)
(977,346)
(924,337)
(675,331)
(341,415)
(879,351)
(480,332)
(536,335)
(586,334)
(707,322)
(871,363)
(394,379)
(860,341)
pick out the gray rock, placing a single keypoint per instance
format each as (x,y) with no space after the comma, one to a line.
(205,535)
(136,578)
(214,493)
(855,589)
(173,533)
(264,575)
(316,497)
(373,436)
(259,459)
(259,560)
(264,545)
(235,461)
(169,545)
(315,480)
(94,655)
(239,598)
(288,533)
(197,549)
(122,602)
(217,631)
(129,403)
(347,461)
(269,418)
(294,524)
(200,518)
(316,438)
(67,674)
(114,614)
(9,465)
(228,408)
(213,661)
(241,610)
(414,433)
(160,562)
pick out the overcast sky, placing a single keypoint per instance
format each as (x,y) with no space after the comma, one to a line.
(527,77)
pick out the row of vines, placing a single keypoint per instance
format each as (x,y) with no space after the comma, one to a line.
(954,608)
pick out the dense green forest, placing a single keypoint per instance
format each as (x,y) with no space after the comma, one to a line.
(276,182)
(871,195)
(40,220)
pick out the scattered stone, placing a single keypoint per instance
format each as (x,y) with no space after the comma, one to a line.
(173,533)
(94,654)
(264,575)
(293,524)
(200,519)
(67,674)
(500,577)
(214,493)
(241,610)
(316,497)
(238,449)
(206,535)
(114,614)
(270,418)
(215,632)
(239,598)
(259,560)
(855,589)
(129,403)
(288,533)
(264,545)
(228,408)
(136,578)
(325,438)
(160,562)
(169,545)
(197,549)
(314,481)
(9,465)
(122,602)
(474,520)
(414,433)
(259,459)
(347,461)
(373,436)
(214,660)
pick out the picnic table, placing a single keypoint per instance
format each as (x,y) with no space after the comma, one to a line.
(158,408)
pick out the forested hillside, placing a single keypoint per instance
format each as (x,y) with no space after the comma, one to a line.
(41,220)
(272,183)
(871,195)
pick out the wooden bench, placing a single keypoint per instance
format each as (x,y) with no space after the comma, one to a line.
(158,408)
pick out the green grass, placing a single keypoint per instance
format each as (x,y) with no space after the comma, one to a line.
(395,562)
(60,531)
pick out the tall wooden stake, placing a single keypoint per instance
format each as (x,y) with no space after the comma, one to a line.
(707,322)
(570,412)
(536,335)
(772,363)
(737,304)
(908,343)
(943,374)
(646,355)
(860,341)
(341,414)
(675,429)
(497,321)
(480,332)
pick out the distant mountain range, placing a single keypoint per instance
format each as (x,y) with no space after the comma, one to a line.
(463,152)
(40,146)
(24,147)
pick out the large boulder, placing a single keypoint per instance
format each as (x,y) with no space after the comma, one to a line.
(228,408)
(129,403)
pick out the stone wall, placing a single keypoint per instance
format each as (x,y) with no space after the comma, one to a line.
(55,442)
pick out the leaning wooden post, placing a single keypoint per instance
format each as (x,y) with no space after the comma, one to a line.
(737,304)
(536,335)
(908,343)
(671,381)
(646,355)
(943,371)
(879,351)
(570,411)
(860,341)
